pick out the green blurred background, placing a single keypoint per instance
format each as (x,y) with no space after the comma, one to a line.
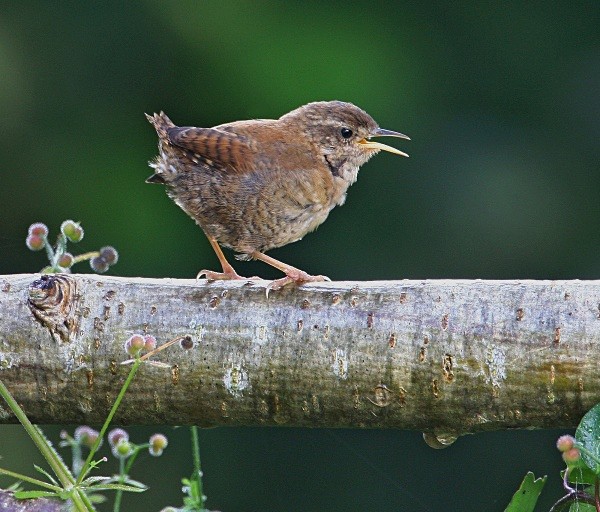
(501,100)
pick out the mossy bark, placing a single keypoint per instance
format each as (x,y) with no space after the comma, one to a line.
(445,357)
(10,504)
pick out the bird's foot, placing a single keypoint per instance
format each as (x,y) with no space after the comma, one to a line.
(224,276)
(294,276)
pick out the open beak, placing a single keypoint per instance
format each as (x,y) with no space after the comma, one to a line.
(380,132)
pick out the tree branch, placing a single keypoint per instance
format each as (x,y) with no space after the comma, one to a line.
(445,357)
(10,504)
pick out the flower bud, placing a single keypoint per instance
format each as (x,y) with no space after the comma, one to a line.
(158,442)
(122,449)
(565,443)
(65,260)
(116,435)
(86,436)
(135,344)
(35,242)
(186,343)
(109,254)
(38,229)
(72,230)
(98,265)
(571,456)
(149,343)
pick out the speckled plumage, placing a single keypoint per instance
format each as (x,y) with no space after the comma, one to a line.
(260,184)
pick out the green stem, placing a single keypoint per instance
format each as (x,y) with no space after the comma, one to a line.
(122,476)
(86,502)
(55,462)
(49,253)
(26,478)
(133,456)
(77,457)
(85,256)
(124,470)
(109,418)
(197,475)
(61,247)
(52,458)
(81,503)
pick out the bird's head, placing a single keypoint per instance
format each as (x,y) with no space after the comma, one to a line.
(341,132)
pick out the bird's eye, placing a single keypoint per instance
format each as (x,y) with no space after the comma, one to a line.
(346,133)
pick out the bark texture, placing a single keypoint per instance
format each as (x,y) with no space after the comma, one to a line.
(9,504)
(445,357)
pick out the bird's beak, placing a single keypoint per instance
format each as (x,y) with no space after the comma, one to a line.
(380,132)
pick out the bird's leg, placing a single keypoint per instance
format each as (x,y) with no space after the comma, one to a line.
(292,274)
(228,270)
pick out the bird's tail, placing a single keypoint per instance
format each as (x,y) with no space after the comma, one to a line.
(161,124)
(162,170)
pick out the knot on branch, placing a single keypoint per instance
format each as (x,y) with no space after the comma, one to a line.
(52,301)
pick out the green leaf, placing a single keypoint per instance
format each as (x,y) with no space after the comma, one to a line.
(27,495)
(588,436)
(45,473)
(96,499)
(94,480)
(26,478)
(65,495)
(581,507)
(119,487)
(580,475)
(14,487)
(525,498)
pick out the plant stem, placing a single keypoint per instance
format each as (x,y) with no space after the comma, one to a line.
(122,475)
(109,418)
(61,247)
(133,456)
(49,252)
(80,501)
(161,347)
(55,462)
(124,470)
(85,256)
(197,474)
(77,458)
(26,478)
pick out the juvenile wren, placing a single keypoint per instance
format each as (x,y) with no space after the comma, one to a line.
(256,185)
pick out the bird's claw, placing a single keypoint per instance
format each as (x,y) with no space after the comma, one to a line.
(211,275)
(297,277)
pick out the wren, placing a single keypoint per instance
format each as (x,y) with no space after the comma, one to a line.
(260,184)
